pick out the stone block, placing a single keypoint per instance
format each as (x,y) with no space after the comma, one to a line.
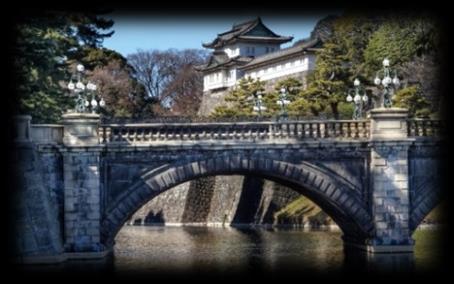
(336,194)
(401,185)
(379,209)
(70,216)
(378,201)
(379,162)
(329,191)
(381,225)
(195,168)
(93,231)
(94,215)
(401,177)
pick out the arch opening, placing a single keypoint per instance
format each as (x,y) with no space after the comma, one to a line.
(328,192)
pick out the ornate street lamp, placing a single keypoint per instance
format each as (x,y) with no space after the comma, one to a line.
(86,93)
(283,102)
(258,107)
(358,99)
(389,84)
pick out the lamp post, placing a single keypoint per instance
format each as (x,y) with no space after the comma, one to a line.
(283,102)
(86,97)
(389,85)
(258,107)
(358,99)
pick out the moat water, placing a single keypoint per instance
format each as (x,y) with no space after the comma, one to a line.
(211,249)
(174,250)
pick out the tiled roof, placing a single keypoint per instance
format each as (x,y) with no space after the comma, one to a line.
(220,59)
(251,30)
(304,45)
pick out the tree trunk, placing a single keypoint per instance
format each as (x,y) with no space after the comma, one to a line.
(335,110)
(314,111)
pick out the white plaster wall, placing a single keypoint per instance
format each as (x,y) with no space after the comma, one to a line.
(258,49)
(220,79)
(283,68)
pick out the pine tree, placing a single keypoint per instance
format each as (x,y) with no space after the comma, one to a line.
(411,99)
(45,47)
(240,100)
(327,85)
(298,106)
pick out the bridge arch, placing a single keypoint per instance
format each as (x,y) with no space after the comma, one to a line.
(341,202)
(427,197)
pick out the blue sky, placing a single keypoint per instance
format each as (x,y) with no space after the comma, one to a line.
(133,32)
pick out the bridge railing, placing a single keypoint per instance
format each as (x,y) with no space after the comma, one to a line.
(424,127)
(245,130)
(46,133)
(150,132)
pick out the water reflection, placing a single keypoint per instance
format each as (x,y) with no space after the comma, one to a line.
(226,249)
(170,250)
(251,249)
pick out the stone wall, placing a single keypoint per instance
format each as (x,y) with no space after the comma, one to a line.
(82,200)
(389,164)
(214,98)
(36,205)
(211,100)
(166,208)
(217,201)
(198,201)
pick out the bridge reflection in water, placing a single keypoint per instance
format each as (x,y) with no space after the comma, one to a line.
(174,251)
(226,250)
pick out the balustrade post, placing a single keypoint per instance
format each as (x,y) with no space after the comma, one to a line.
(22,128)
(80,129)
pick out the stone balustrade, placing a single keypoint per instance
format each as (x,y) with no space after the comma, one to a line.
(424,127)
(261,130)
(46,133)
(257,130)
(146,133)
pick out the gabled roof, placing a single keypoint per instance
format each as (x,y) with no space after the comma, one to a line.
(220,59)
(252,30)
(306,45)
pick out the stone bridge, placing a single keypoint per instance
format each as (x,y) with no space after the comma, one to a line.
(376,178)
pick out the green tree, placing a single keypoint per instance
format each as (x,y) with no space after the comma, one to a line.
(45,47)
(327,85)
(354,30)
(292,86)
(411,99)
(391,41)
(240,101)
(401,39)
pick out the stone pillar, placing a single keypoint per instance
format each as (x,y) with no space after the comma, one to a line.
(36,237)
(389,181)
(80,129)
(22,128)
(82,186)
